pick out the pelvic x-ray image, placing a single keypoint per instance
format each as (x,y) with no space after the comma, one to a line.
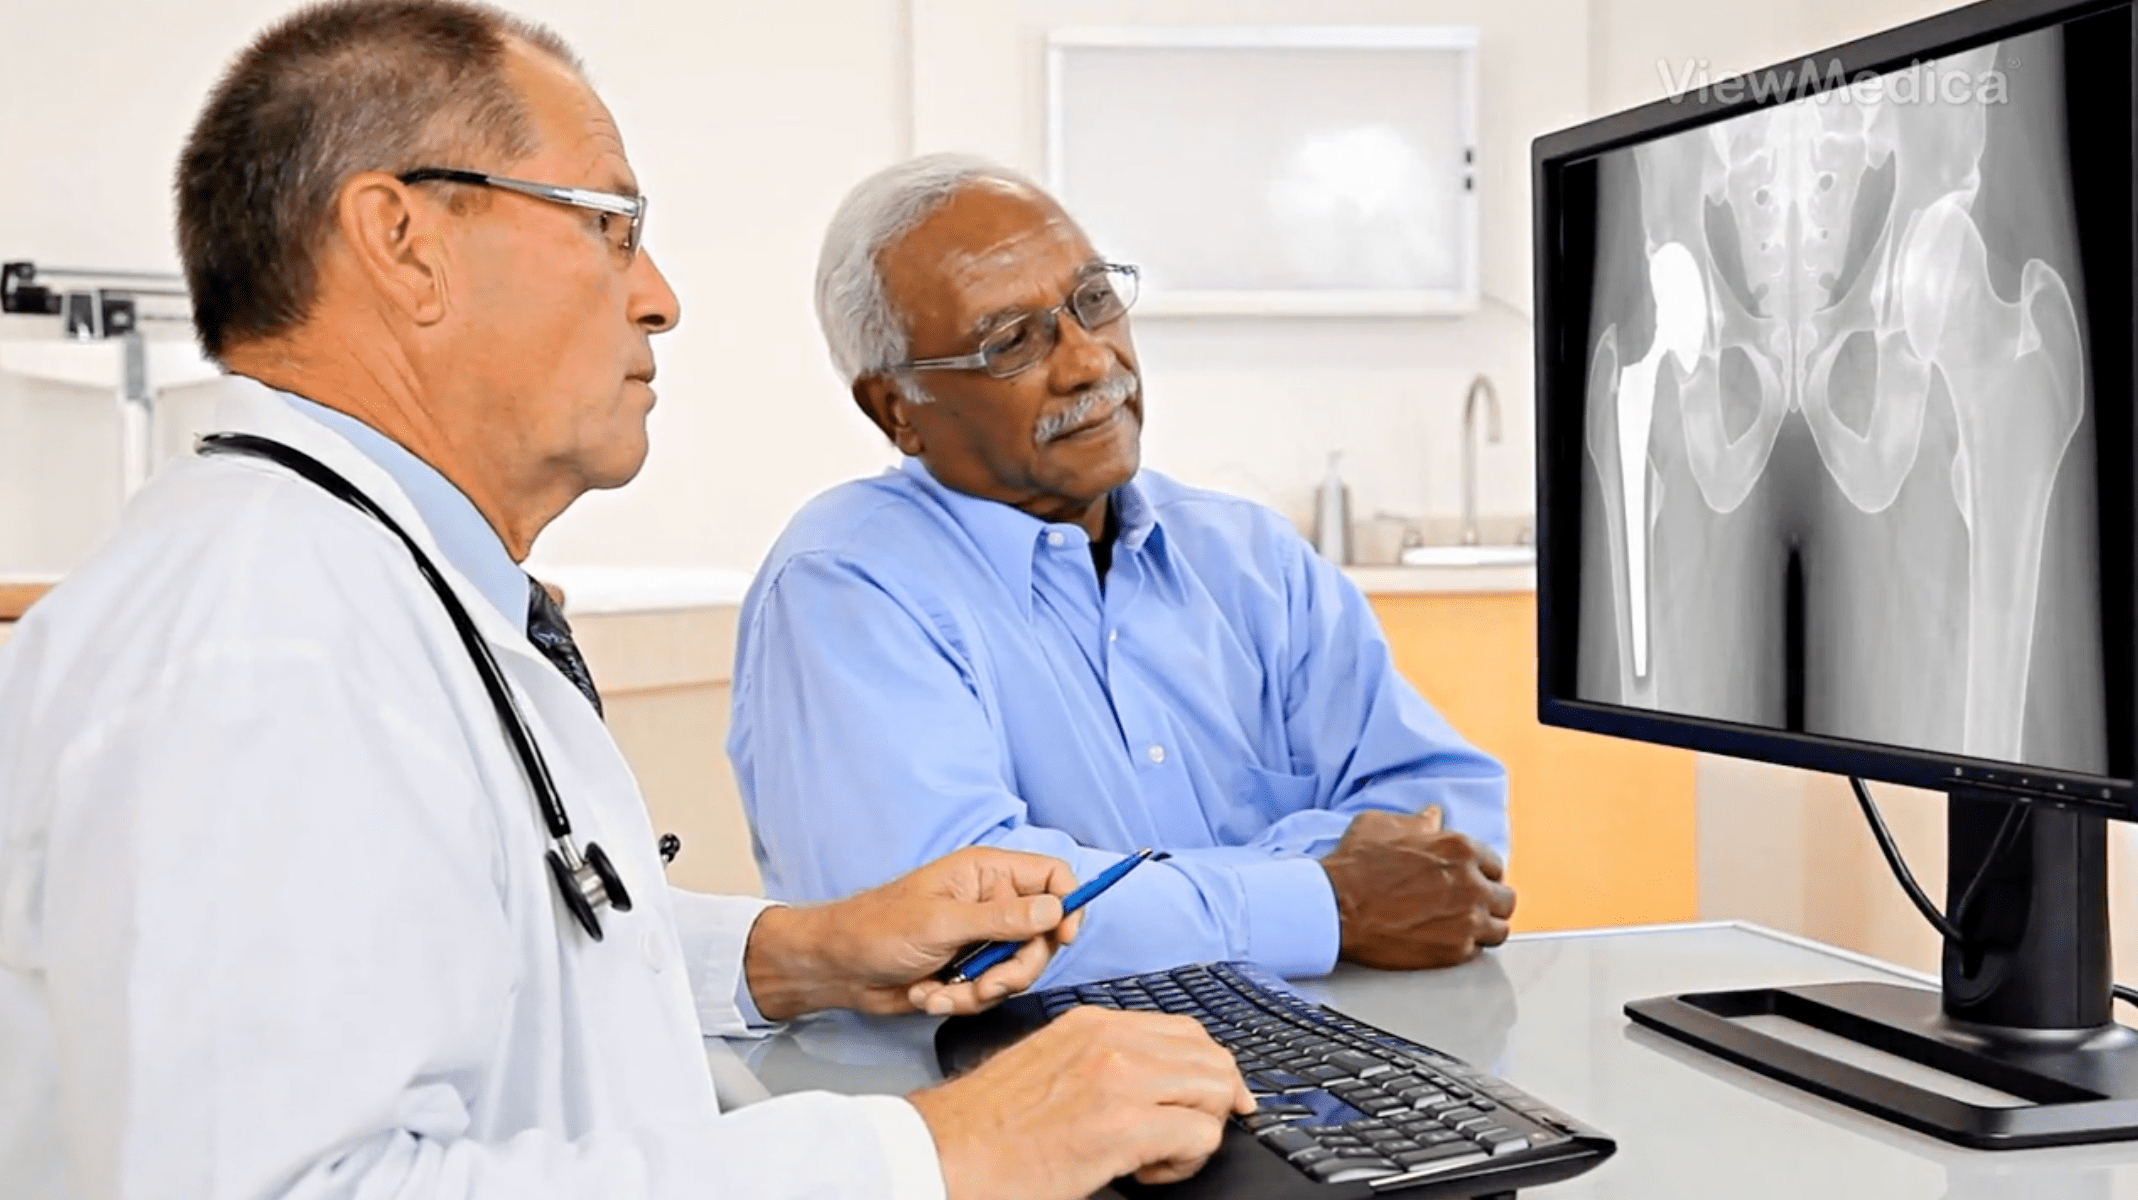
(1842,473)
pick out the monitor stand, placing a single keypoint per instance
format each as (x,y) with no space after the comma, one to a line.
(2024,1009)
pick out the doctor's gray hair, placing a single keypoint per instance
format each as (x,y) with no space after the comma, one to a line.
(327,93)
(865,334)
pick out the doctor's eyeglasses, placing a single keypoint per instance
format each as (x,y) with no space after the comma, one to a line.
(623,234)
(1024,339)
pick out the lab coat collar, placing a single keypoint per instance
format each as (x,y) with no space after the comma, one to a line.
(459,528)
(249,406)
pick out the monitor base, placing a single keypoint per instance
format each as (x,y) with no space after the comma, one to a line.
(2079,1085)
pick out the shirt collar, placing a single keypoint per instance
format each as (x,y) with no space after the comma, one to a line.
(463,535)
(1009,537)
(1135,521)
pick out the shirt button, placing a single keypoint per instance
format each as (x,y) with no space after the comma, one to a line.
(655,950)
(1157,753)
(1056,537)
(1113,635)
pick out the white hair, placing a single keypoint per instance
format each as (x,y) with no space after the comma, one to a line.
(864,333)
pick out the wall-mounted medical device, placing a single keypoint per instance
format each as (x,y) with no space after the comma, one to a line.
(101,315)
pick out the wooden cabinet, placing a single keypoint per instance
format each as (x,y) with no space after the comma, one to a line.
(1603,829)
(664,683)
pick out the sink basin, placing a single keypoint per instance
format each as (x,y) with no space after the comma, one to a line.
(1470,556)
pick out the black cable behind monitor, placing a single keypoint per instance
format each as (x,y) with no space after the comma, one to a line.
(2015,821)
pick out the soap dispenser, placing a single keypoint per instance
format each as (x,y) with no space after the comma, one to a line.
(1332,515)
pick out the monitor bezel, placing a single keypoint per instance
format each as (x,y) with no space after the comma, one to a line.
(1928,39)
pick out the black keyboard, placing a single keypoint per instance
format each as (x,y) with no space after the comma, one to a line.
(1345,1108)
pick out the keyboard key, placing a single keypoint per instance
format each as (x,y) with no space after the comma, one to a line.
(1286,1140)
(1398,1145)
(1507,1145)
(1264,1081)
(1454,1116)
(1354,1060)
(1344,1142)
(1432,1154)
(1324,1073)
(1349,1170)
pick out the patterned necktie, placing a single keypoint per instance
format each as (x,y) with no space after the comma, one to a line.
(552,635)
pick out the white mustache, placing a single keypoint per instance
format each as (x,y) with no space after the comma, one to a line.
(1113,392)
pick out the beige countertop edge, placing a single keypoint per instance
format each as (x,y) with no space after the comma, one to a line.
(1442,581)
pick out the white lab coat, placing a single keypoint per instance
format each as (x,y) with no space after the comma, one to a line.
(274,917)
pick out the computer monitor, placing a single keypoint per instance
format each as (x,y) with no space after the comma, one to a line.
(1835,470)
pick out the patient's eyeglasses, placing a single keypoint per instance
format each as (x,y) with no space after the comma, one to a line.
(1026,338)
(623,235)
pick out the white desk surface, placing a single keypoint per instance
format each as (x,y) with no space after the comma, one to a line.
(1545,1012)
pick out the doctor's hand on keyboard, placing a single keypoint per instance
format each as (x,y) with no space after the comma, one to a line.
(1095,1095)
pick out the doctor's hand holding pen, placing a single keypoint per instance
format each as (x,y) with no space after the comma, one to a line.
(1093,1095)
(877,951)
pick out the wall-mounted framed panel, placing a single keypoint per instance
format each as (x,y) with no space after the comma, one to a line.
(1312,170)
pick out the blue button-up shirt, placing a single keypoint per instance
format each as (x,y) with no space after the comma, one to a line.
(919,669)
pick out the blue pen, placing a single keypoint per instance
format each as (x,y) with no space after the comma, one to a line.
(977,960)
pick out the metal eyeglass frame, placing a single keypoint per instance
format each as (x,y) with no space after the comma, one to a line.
(1050,320)
(633,207)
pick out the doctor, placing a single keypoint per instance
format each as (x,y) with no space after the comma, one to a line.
(275,912)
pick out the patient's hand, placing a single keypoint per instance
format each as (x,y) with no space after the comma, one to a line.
(1410,894)
(876,951)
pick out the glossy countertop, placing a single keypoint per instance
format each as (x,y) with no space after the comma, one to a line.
(1546,1012)
(616,590)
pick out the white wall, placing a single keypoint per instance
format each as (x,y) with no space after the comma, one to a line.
(745,121)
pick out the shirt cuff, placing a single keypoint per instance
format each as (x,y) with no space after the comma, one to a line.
(1292,925)
(909,1156)
(714,931)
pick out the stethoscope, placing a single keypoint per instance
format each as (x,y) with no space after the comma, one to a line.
(586,882)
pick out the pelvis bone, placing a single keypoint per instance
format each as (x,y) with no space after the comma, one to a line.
(1775,239)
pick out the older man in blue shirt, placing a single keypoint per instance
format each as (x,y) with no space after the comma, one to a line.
(1020,639)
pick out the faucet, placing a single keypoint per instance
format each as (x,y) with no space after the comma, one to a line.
(1469,449)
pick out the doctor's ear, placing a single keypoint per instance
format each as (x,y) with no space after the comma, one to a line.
(394,237)
(883,402)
